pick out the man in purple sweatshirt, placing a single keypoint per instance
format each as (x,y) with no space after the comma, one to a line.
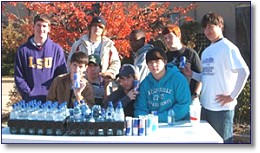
(38,62)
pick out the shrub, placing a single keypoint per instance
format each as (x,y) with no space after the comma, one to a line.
(243,108)
(193,36)
(7,69)
(14,96)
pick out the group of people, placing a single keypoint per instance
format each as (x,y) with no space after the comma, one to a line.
(217,78)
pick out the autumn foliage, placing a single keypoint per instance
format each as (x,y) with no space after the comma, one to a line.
(70,19)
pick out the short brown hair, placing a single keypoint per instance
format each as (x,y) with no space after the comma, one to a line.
(79,57)
(172,28)
(212,18)
(42,17)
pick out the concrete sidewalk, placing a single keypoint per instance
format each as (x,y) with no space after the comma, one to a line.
(7,85)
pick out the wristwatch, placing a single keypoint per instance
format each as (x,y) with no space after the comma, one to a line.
(196,95)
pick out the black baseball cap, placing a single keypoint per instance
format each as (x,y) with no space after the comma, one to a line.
(98,19)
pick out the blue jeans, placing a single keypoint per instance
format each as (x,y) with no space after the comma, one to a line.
(221,121)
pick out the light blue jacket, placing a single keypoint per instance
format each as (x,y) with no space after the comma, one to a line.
(172,91)
(140,61)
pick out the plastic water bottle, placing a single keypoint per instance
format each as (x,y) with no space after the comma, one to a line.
(76,112)
(110,112)
(49,113)
(119,113)
(171,117)
(59,117)
(91,118)
(119,117)
(155,122)
(71,116)
(103,115)
(41,113)
(96,112)
(41,116)
(23,115)
(32,112)
(14,114)
(65,109)
(88,111)
(50,118)
(82,105)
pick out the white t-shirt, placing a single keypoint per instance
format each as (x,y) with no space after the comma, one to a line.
(218,60)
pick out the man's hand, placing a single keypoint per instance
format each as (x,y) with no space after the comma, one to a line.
(78,91)
(187,70)
(132,94)
(223,99)
(107,75)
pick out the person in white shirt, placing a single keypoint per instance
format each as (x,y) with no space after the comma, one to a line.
(223,77)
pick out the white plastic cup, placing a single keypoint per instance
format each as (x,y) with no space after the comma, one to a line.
(195,111)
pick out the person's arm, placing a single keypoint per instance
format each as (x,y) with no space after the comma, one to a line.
(196,66)
(88,95)
(20,75)
(131,95)
(142,67)
(60,62)
(52,92)
(182,98)
(114,98)
(114,63)
(196,76)
(243,74)
(197,90)
(140,106)
(191,74)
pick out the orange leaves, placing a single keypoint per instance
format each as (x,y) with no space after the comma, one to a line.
(187,18)
(70,19)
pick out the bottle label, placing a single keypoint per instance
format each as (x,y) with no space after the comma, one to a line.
(76,80)
(182,62)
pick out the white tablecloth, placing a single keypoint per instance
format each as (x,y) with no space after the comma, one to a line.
(182,132)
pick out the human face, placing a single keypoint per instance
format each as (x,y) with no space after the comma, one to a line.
(171,40)
(127,82)
(213,32)
(93,71)
(41,29)
(156,67)
(77,68)
(97,29)
(136,42)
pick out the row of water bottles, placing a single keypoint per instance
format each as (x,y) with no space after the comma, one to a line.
(52,111)
(36,110)
(83,113)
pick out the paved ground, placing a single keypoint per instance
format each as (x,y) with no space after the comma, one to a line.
(7,85)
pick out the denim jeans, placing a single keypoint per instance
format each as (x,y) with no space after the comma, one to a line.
(221,121)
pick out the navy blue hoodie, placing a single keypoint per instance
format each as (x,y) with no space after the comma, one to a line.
(36,68)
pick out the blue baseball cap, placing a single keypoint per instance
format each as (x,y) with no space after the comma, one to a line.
(127,69)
